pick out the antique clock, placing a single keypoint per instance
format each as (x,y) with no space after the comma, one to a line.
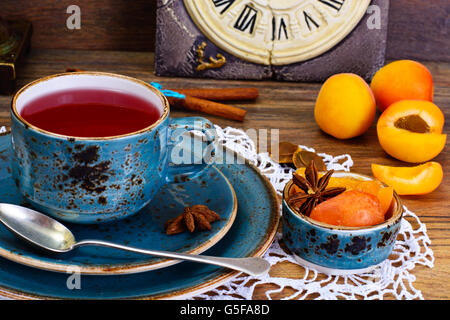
(270,39)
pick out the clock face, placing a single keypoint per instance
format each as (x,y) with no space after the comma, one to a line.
(276,32)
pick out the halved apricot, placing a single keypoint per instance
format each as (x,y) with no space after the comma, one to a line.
(372,187)
(417,180)
(384,194)
(350,209)
(411,131)
(347,182)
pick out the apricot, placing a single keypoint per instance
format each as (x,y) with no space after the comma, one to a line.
(350,209)
(417,180)
(372,187)
(402,80)
(345,107)
(411,131)
(348,183)
(384,194)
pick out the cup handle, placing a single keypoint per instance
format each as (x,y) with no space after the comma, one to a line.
(190,153)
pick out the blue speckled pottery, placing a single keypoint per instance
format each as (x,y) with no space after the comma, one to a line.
(250,235)
(93,180)
(143,230)
(333,248)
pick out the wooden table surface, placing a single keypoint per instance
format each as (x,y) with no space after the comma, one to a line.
(289,108)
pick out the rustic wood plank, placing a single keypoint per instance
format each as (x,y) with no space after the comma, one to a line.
(105,24)
(288,107)
(417,29)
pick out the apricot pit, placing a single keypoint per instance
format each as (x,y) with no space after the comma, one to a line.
(413,123)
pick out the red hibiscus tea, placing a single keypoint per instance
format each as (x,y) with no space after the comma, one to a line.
(90,113)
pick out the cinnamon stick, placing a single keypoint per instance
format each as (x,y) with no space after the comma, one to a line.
(221,94)
(209,107)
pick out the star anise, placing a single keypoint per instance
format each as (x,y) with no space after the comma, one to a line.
(198,217)
(314,190)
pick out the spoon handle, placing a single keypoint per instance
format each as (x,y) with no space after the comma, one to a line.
(253,266)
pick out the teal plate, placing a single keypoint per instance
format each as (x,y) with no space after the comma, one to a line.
(143,230)
(251,234)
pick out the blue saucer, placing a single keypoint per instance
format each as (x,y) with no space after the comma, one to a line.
(251,234)
(144,230)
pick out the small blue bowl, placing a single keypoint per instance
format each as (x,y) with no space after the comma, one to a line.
(339,250)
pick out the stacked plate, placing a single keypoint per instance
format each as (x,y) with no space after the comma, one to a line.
(245,200)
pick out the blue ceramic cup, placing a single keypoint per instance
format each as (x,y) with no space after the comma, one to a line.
(93,180)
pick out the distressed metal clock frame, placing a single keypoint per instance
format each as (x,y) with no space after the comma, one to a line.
(185,49)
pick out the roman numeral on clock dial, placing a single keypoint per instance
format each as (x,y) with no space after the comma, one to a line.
(335,4)
(310,22)
(279,29)
(247,20)
(224,5)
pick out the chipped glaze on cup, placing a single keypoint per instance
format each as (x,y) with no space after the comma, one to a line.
(92,180)
(341,248)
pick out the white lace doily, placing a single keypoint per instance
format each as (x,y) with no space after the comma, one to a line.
(392,278)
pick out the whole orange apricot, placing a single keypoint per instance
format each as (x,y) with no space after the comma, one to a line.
(345,107)
(402,80)
(417,180)
(411,131)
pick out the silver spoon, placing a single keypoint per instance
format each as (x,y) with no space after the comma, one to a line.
(47,233)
